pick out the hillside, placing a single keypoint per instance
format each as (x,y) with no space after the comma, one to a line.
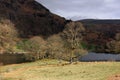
(101,21)
(31,18)
(100,32)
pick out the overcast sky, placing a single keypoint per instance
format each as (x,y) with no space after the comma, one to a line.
(80,9)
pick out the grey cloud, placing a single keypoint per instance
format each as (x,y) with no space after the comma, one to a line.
(76,9)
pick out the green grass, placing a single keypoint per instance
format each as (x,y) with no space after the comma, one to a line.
(50,70)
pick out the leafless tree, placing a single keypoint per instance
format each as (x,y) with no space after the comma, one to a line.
(8,35)
(72,35)
(55,47)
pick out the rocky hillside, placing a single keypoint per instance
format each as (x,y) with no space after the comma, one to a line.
(31,18)
(100,32)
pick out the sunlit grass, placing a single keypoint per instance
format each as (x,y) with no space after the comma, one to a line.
(50,70)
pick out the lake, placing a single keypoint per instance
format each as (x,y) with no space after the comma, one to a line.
(19,58)
(11,58)
(100,57)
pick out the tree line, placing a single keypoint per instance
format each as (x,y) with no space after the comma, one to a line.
(63,46)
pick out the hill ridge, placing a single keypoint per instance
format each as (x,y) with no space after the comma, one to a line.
(31,18)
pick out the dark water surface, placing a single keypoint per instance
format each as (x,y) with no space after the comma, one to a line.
(19,58)
(100,57)
(11,58)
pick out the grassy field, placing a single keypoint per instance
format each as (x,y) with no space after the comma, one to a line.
(51,70)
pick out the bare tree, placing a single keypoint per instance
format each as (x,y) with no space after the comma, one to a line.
(35,47)
(72,35)
(8,35)
(39,46)
(55,47)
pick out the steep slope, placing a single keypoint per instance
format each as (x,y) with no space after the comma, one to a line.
(31,18)
(100,32)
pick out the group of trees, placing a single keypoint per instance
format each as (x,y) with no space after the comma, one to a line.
(63,46)
(66,45)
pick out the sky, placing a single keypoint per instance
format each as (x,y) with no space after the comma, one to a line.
(84,9)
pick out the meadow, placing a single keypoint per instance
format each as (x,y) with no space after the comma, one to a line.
(52,70)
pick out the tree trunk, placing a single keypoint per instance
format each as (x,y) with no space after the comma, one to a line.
(71,57)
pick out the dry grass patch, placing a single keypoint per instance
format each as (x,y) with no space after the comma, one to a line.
(53,71)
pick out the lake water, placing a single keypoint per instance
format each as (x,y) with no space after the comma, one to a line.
(19,58)
(11,58)
(100,57)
